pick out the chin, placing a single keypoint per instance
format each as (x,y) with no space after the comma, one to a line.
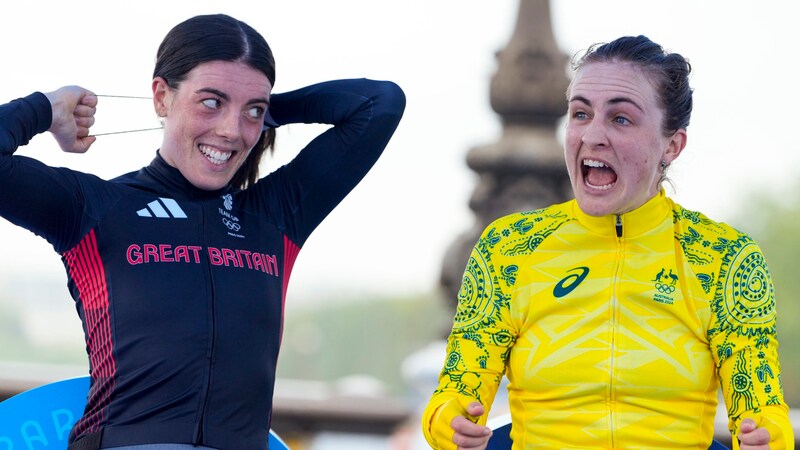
(596,212)
(209,185)
(594,206)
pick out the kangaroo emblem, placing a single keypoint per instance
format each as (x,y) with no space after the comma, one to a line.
(659,275)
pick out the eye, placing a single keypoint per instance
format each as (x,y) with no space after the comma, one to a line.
(256,112)
(580,115)
(622,120)
(211,103)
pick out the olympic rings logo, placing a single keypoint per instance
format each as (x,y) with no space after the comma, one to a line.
(233,226)
(665,288)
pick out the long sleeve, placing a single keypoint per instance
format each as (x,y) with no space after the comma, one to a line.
(745,346)
(21,120)
(479,343)
(34,196)
(364,114)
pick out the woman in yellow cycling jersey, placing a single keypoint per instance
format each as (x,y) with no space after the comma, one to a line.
(617,316)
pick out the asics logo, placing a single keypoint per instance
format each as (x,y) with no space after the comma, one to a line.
(162,208)
(570,282)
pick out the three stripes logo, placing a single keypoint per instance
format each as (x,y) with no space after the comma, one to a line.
(165,208)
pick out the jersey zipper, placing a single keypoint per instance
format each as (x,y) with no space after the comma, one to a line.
(611,395)
(199,437)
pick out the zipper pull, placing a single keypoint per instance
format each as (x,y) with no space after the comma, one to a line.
(619,225)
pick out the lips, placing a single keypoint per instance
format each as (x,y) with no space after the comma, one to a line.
(215,156)
(597,175)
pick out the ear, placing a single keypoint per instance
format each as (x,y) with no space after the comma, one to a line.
(161,96)
(675,146)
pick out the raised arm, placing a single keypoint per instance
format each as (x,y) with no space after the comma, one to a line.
(21,120)
(34,196)
(364,114)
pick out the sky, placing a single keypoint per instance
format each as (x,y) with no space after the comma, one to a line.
(388,237)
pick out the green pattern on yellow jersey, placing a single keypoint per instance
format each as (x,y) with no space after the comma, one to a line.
(614,332)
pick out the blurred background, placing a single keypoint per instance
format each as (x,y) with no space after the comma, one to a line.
(371,296)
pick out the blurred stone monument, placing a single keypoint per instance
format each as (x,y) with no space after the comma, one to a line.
(525,169)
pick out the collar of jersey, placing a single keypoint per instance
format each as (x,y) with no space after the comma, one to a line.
(175,184)
(634,223)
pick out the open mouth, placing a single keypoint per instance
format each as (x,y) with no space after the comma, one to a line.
(597,175)
(215,156)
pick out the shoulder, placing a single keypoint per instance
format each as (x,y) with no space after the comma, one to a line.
(127,178)
(694,229)
(729,264)
(521,232)
(526,222)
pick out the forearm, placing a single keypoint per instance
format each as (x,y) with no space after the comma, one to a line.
(472,372)
(365,115)
(21,120)
(338,101)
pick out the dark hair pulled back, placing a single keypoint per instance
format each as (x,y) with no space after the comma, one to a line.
(670,73)
(218,37)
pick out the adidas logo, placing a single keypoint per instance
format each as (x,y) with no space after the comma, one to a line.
(164,208)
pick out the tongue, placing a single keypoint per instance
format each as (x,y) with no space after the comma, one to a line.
(600,176)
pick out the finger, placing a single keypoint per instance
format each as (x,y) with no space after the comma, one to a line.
(475,409)
(747,425)
(84,111)
(84,122)
(83,132)
(78,146)
(83,144)
(87,142)
(463,426)
(90,99)
(469,435)
(470,442)
(759,436)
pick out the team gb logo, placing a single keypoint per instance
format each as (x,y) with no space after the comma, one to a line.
(227,201)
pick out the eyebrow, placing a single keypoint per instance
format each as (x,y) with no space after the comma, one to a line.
(226,97)
(613,101)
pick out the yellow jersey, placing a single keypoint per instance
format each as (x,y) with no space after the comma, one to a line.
(614,331)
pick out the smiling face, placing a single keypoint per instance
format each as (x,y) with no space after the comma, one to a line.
(614,141)
(212,120)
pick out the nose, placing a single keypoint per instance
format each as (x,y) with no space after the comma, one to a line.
(594,134)
(230,125)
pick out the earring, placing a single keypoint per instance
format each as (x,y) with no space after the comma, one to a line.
(663,172)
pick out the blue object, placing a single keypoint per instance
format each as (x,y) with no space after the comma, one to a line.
(717,445)
(501,435)
(276,443)
(41,418)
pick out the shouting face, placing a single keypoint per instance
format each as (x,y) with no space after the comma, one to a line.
(615,144)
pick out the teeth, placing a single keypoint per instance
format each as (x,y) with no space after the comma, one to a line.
(593,163)
(600,188)
(215,156)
